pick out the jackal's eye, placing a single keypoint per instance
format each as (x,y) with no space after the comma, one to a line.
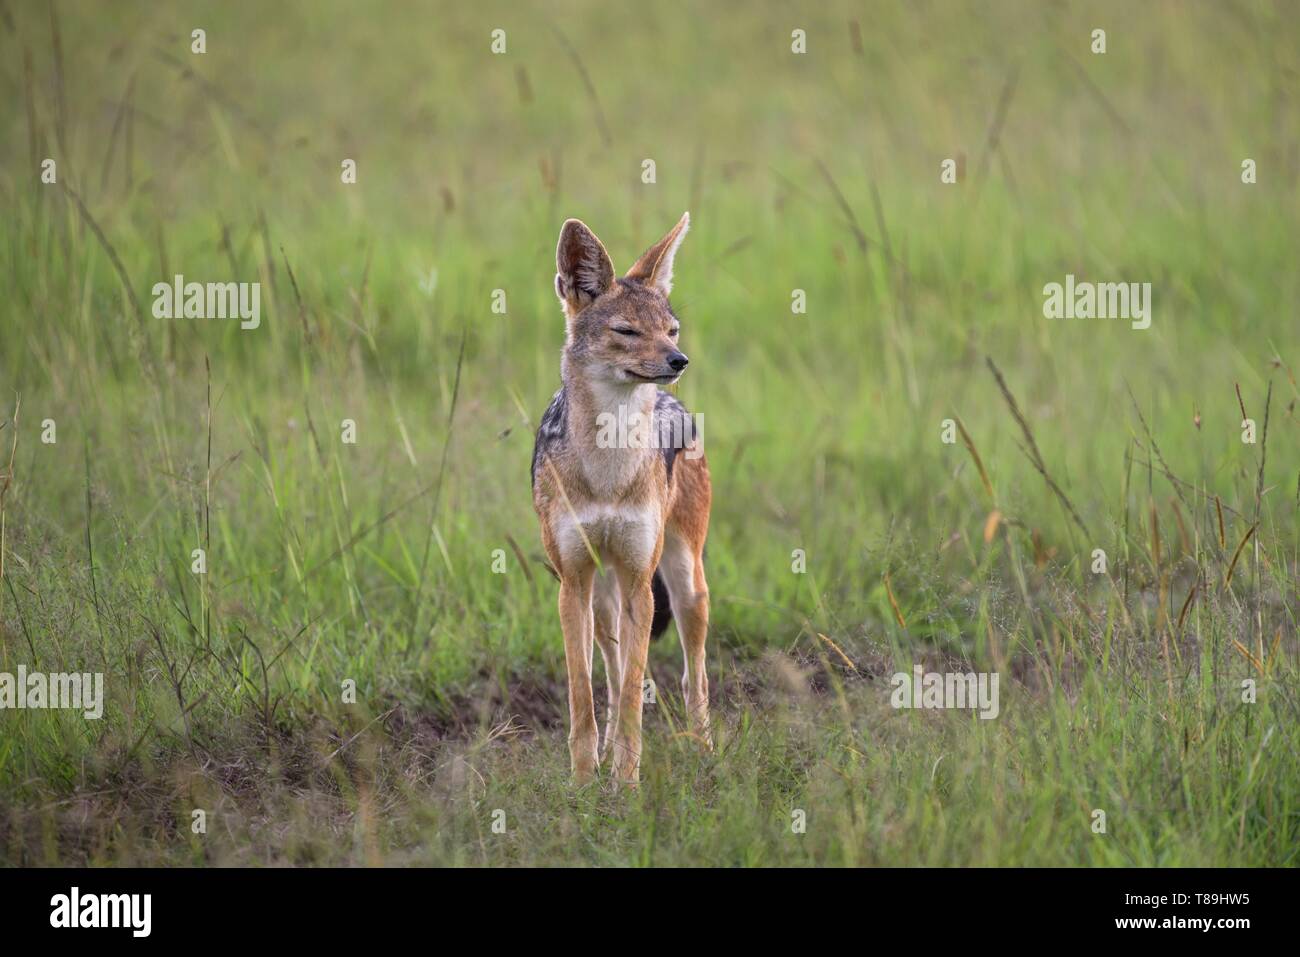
(625,331)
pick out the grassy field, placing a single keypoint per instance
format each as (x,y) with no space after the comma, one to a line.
(374,562)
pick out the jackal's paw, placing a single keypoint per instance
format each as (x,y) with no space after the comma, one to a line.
(583,763)
(625,768)
(702,731)
(629,781)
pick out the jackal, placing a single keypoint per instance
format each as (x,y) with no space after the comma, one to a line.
(624,526)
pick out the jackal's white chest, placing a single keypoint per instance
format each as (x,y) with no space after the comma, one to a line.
(611,471)
(617,443)
(627,533)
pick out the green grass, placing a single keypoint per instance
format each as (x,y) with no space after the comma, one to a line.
(373,562)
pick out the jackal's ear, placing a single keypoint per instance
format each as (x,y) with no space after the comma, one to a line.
(583,268)
(655,267)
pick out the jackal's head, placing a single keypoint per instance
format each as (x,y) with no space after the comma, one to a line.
(618,330)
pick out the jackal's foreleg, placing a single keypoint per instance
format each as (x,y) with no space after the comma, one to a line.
(576,622)
(606,605)
(635,636)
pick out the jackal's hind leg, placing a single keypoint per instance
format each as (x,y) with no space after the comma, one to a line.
(682,568)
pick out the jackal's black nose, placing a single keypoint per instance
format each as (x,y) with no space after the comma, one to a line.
(677,361)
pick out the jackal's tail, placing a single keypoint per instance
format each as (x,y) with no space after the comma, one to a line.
(663,609)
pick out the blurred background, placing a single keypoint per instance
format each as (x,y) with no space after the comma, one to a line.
(815,171)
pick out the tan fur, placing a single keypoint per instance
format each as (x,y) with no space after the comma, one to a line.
(611,516)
